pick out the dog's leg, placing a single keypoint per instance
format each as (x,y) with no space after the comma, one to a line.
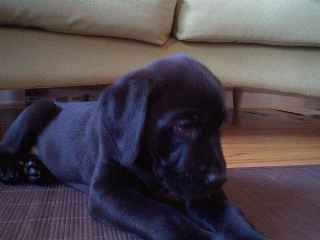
(116,196)
(219,215)
(21,136)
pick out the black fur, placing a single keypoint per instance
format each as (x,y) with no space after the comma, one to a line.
(148,152)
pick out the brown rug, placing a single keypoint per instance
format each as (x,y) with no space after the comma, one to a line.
(284,203)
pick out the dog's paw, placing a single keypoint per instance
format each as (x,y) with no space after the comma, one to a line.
(35,172)
(255,236)
(10,170)
(32,171)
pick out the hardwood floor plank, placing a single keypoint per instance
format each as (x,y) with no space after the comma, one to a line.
(272,138)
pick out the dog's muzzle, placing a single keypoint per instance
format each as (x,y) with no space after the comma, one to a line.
(186,187)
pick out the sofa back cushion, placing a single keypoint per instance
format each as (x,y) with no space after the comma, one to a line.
(145,20)
(282,22)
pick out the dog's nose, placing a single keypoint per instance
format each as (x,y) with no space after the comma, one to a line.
(215,180)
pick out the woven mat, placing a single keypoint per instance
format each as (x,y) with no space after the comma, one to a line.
(282,202)
(55,213)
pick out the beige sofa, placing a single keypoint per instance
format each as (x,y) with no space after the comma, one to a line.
(264,45)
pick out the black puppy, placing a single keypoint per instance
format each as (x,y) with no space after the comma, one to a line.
(155,131)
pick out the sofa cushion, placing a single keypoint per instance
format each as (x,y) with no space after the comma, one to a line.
(144,20)
(38,59)
(276,22)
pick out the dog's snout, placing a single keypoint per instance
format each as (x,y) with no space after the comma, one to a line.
(216,180)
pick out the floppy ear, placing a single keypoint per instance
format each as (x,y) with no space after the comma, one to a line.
(123,109)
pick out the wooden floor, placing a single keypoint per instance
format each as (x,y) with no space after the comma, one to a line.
(272,138)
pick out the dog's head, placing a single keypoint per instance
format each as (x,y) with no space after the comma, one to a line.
(170,114)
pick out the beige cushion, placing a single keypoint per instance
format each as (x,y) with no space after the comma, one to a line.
(37,59)
(282,22)
(145,20)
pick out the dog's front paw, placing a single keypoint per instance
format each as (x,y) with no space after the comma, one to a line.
(253,236)
(32,170)
(35,171)
(177,227)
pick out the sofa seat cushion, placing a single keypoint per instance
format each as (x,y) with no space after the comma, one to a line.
(145,20)
(280,22)
(38,59)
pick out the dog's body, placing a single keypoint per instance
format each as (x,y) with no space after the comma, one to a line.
(156,130)
(71,136)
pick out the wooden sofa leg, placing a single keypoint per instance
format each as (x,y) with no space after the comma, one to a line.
(236,97)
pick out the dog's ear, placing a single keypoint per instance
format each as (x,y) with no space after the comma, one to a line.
(123,109)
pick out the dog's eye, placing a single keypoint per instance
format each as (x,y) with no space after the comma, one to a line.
(187,126)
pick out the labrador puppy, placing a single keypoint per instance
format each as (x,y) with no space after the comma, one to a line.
(150,141)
